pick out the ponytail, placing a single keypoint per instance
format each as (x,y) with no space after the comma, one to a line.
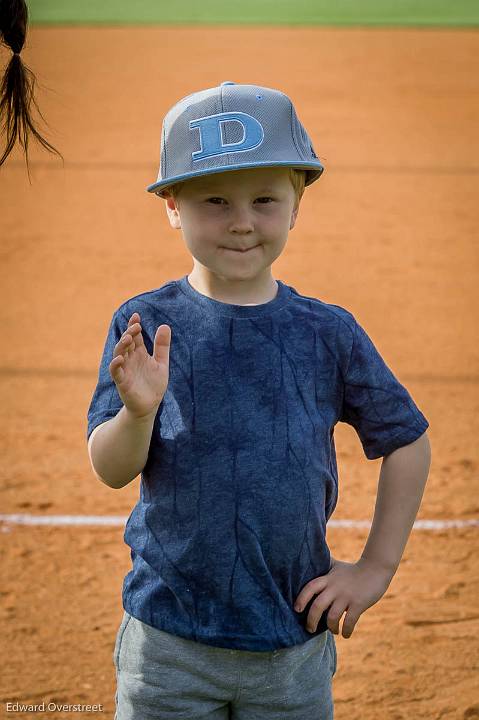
(17,86)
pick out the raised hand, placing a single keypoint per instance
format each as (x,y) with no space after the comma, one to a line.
(347,587)
(141,379)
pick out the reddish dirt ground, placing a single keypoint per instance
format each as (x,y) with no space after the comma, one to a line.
(389,232)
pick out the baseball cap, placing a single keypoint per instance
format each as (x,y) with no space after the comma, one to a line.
(232,127)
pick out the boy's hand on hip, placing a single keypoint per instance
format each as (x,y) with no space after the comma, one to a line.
(347,587)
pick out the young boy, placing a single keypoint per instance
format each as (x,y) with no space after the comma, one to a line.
(222,389)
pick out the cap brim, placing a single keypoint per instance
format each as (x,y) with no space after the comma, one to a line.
(314,171)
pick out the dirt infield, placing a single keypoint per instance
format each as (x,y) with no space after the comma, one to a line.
(389,232)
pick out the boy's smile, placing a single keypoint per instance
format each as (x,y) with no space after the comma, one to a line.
(235,224)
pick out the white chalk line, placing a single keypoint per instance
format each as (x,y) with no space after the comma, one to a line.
(115,520)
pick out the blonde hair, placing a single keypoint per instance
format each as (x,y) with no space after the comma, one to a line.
(298,180)
(297,177)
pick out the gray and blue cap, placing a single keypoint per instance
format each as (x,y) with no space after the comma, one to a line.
(232,127)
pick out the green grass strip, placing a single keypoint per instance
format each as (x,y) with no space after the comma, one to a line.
(451,13)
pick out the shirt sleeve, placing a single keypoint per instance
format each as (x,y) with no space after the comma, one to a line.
(106,401)
(375,403)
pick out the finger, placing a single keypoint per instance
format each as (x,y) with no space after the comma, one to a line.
(320,605)
(116,369)
(134,330)
(133,323)
(309,590)
(335,613)
(137,335)
(349,623)
(130,339)
(161,349)
(124,346)
(121,345)
(127,342)
(134,318)
(131,332)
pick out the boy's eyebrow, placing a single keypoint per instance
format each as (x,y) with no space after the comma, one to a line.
(209,188)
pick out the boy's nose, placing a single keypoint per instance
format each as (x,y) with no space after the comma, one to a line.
(241,222)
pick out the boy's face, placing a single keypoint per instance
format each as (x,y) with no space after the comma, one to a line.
(235,223)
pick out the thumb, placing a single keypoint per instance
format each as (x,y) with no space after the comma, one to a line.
(161,348)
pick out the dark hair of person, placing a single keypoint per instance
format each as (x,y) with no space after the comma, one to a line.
(18,83)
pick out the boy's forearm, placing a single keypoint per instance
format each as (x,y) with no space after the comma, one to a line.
(401,486)
(119,450)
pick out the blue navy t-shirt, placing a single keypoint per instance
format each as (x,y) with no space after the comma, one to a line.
(241,474)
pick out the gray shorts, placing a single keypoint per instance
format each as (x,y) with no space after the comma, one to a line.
(161,676)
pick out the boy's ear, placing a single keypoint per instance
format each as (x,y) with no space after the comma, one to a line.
(173,212)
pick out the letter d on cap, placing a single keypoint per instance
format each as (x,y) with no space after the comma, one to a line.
(211,139)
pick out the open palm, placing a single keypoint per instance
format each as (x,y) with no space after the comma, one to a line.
(141,379)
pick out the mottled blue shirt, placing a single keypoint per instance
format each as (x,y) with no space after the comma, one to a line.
(241,474)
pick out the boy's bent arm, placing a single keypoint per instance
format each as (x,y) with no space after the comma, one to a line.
(352,588)
(118,448)
(401,486)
